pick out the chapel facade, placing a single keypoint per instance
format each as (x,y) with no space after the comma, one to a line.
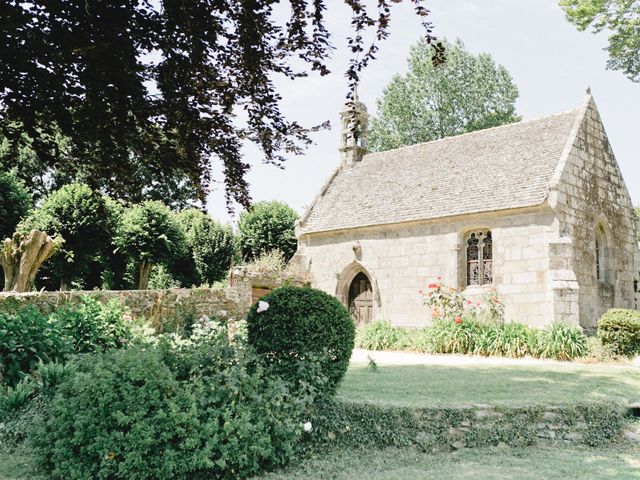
(537,209)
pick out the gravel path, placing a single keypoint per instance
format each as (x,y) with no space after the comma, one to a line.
(360,356)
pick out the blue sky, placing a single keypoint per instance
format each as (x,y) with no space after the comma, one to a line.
(550,61)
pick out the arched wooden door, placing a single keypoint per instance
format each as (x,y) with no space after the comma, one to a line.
(361,299)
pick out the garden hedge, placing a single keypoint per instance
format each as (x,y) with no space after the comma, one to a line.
(620,330)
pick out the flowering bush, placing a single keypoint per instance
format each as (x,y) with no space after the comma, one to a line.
(446,303)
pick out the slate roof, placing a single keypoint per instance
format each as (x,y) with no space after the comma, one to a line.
(504,167)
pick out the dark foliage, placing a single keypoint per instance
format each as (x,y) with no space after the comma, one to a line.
(135,97)
(303,323)
(15,203)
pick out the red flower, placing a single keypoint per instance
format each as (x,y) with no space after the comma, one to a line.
(458,320)
(433,285)
(469,302)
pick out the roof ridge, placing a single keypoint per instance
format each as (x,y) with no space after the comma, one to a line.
(475,132)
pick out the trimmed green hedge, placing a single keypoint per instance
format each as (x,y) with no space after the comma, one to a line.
(619,329)
(358,425)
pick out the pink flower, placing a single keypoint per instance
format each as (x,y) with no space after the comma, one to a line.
(438,277)
(433,285)
(458,320)
(469,302)
(420,292)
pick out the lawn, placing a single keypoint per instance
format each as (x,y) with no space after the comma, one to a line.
(548,463)
(428,385)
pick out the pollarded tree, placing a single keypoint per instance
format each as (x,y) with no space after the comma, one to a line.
(81,217)
(621,18)
(467,92)
(15,203)
(149,234)
(267,226)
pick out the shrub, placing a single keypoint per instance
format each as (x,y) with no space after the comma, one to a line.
(598,352)
(303,322)
(93,326)
(381,335)
(267,226)
(458,336)
(196,408)
(619,329)
(562,342)
(27,337)
(445,302)
(162,279)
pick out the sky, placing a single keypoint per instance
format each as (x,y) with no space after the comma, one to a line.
(551,62)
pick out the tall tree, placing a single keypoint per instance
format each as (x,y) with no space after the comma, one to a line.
(146,92)
(467,92)
(621,18)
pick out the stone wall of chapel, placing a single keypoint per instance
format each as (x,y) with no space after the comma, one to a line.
(592,191)
(402,259)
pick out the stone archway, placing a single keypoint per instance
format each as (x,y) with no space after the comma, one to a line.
(347,280)
(360,299)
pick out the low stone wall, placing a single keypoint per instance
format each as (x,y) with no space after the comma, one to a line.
(357,425)
(224,303)
(230,303)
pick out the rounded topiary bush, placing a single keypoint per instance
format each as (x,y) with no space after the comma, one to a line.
(302,324)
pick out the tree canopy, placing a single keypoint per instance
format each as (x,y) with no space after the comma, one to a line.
(268,226)
(468,92)
(15,203)
(137,97)
(621,18)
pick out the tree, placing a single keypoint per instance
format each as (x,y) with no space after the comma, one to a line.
(146,92)
(213,248)
(80,216)
(210,248)
(619,17)
(265,227)
(468,92)
(15,203)
(150,235)
(22,256)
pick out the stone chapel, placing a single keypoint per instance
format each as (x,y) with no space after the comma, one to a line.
(537,209)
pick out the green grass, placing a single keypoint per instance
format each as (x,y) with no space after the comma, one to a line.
(557,463)
(424,385)
(18,464)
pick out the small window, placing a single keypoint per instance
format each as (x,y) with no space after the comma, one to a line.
(602,256)
(479,258)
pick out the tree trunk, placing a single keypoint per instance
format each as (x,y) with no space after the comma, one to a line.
(145,272)
(21,257)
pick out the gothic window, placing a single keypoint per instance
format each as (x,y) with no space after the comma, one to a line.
(479,258)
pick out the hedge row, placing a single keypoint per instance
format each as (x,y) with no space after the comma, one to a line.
(360,425)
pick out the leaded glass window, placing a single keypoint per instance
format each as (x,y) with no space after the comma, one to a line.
(479,258)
